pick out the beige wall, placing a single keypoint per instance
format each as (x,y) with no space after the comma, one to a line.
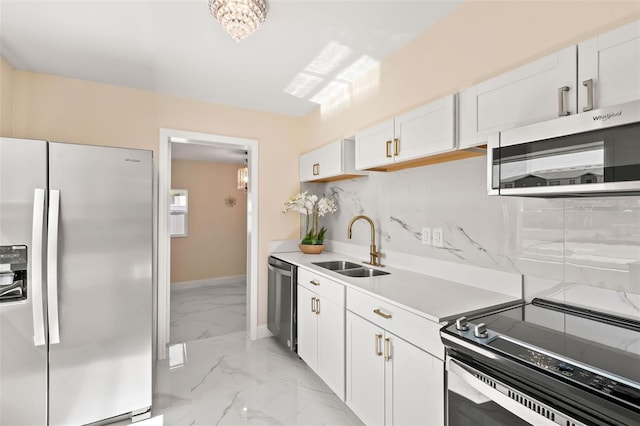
(62,109)
(479,40)
(216,245)
(6,98)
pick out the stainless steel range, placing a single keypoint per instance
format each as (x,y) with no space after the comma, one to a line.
(543,363)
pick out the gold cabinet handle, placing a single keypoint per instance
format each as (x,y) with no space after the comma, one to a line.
(382,314)
(317,306)
(396,147)
(387,350)
(313,304)
(314,282)
(388,150)
(378,350)
(316,169)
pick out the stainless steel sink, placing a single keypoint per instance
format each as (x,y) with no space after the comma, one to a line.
(337,265)
(350,269)
(362,272)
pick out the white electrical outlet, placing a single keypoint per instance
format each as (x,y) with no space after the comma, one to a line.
(426,236)
(438,237)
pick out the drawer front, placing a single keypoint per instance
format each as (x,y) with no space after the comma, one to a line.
(322,286)
(416,330)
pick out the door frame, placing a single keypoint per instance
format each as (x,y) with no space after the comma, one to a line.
(168,136)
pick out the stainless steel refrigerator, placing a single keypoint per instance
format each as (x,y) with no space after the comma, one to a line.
(75,283)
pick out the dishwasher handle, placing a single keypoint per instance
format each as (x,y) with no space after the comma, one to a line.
(281,271)
(278,266)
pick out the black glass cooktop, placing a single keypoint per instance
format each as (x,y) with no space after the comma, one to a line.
(601,345)
(601,352)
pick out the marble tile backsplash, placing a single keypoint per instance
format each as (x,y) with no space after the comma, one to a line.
(552,242)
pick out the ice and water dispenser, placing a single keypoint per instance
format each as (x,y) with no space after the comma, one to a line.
(13,273)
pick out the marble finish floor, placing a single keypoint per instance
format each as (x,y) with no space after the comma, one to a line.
(203,312)
(230,380)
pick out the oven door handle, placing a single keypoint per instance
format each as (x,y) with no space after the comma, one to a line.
(457,368)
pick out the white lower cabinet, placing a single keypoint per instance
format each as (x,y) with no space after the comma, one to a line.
(307,327)
(389,380)
(365,370)
(415,386)
(321,328)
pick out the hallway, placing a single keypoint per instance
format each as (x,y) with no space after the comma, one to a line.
(203,312)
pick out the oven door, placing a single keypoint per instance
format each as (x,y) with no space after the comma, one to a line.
(475,398)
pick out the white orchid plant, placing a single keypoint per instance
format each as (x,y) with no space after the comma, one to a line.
(312,207)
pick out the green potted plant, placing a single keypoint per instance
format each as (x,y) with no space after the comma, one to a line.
(313,208)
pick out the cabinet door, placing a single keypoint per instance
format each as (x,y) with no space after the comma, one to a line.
(374,146)
(307,328)
(307,166)
(329,160)
(612,62)
(525,95)
(331,345)
(426,130)
(365,370)
(414,385)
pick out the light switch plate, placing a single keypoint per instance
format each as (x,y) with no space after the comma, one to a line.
(426,236)
(438,237)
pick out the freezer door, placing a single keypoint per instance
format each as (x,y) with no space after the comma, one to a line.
(101,366)
(23,365)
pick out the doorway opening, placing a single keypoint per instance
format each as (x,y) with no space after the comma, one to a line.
(192,290)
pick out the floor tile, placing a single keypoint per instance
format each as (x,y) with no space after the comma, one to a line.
(200,313)
(230,380)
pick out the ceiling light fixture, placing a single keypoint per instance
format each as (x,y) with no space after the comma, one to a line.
(239,18)
(243,176)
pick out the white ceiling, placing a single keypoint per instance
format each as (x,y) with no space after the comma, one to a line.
(177,48)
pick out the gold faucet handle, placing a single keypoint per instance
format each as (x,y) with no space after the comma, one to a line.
(375,256)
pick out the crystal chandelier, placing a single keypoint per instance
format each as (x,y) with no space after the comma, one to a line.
(243,178)
(239,17)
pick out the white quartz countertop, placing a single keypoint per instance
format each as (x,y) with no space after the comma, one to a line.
(433,298)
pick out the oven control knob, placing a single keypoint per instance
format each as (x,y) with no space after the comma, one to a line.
(462,324)
(480,331)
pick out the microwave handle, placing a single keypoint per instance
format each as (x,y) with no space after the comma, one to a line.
(561,111)
(589,85)
(493,142)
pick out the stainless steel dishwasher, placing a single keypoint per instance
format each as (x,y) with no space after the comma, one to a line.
(281,309)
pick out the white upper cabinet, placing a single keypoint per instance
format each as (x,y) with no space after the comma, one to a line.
(607,69)
(374,146)
(538,91)
(425,131)
(609,66)
(333,161)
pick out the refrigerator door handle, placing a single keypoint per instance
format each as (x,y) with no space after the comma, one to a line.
(37,235)
(52,266)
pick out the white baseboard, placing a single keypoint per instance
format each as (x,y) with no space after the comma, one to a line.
(208,282)
(263,331)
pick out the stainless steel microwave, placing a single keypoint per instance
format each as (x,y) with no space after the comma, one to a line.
(594,153)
